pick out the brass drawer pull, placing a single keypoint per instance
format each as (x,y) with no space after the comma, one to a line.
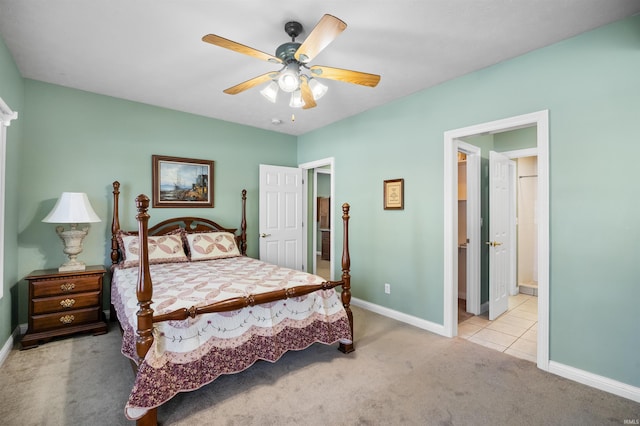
(67,319)
(67,286)
(67,303)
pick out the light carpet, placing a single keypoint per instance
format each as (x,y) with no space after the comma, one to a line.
(398,375)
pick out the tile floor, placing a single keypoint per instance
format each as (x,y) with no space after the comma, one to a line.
(515,332)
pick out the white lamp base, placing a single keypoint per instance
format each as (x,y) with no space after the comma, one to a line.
(70,267)
(72,240)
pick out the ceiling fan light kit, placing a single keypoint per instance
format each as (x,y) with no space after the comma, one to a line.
(305,90)
(271,92)
(289,78)
(318,89)
(296,100)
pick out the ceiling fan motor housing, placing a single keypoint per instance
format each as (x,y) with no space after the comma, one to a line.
(286,51)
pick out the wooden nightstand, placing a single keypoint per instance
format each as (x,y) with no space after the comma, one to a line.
(63,303)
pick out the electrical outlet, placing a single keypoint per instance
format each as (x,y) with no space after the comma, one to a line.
(387,288)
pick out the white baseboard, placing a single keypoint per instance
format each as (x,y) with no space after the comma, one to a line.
(595,381)
(8,345)
(409,319)
(586,378)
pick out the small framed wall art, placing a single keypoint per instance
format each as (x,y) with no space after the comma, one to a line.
(394,194)
(182,182)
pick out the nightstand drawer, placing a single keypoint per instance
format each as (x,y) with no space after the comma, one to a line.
(55,287)
(66,319)
(66,302)
(63,303)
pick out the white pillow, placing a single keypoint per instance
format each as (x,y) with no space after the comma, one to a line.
(212,245)
(162,248)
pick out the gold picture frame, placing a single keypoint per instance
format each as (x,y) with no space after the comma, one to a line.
(182,182)
(394,194)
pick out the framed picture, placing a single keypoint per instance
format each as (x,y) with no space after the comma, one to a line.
(394,194)
(182,182)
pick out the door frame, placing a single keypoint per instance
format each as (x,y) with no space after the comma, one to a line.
(473,226)
(540,120)
(514,155)
(330,161)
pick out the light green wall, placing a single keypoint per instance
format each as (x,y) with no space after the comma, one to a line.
(79,141)
(515,139)
(590,86)
(588,83)
(12,92)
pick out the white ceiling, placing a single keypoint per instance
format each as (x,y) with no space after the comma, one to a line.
(151,51)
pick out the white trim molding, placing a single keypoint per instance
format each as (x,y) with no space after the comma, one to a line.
(540,119)
(586,378)
(6,115)
(595,381)
(316,165)
(399,316)
(8,345)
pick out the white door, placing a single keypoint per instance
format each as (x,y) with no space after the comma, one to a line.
(281,216)
(474,243)
(499,233)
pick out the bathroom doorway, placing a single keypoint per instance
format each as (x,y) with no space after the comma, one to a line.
(538,121)
(512,330)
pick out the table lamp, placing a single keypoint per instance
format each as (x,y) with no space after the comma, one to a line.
(72,208)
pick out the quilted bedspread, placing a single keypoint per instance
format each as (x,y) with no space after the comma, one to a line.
(189,354)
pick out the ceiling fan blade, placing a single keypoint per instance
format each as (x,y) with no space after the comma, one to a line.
(307,95)
(250,83)
(348,76)
(326,30)
(240,48)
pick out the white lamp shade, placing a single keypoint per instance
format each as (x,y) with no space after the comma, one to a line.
(72,207)
(318,89)
(296,100)
(270,92)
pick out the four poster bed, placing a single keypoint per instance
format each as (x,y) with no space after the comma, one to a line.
(211,310)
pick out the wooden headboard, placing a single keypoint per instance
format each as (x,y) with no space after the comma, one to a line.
(188,223)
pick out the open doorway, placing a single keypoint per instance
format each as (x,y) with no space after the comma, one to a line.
(453,140)
(508,319)
(323,222)
(320,214)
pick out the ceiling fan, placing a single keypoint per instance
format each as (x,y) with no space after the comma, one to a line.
(294,57)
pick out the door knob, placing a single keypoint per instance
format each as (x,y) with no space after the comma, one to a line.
(263,235)
(493,243)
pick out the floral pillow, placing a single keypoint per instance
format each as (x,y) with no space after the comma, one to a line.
(167,248)
(212,245)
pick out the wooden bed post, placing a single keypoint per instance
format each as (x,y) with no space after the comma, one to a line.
(346,277)
(144,290)
(144,293)
(243,225)
(115,227)
(115,224)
